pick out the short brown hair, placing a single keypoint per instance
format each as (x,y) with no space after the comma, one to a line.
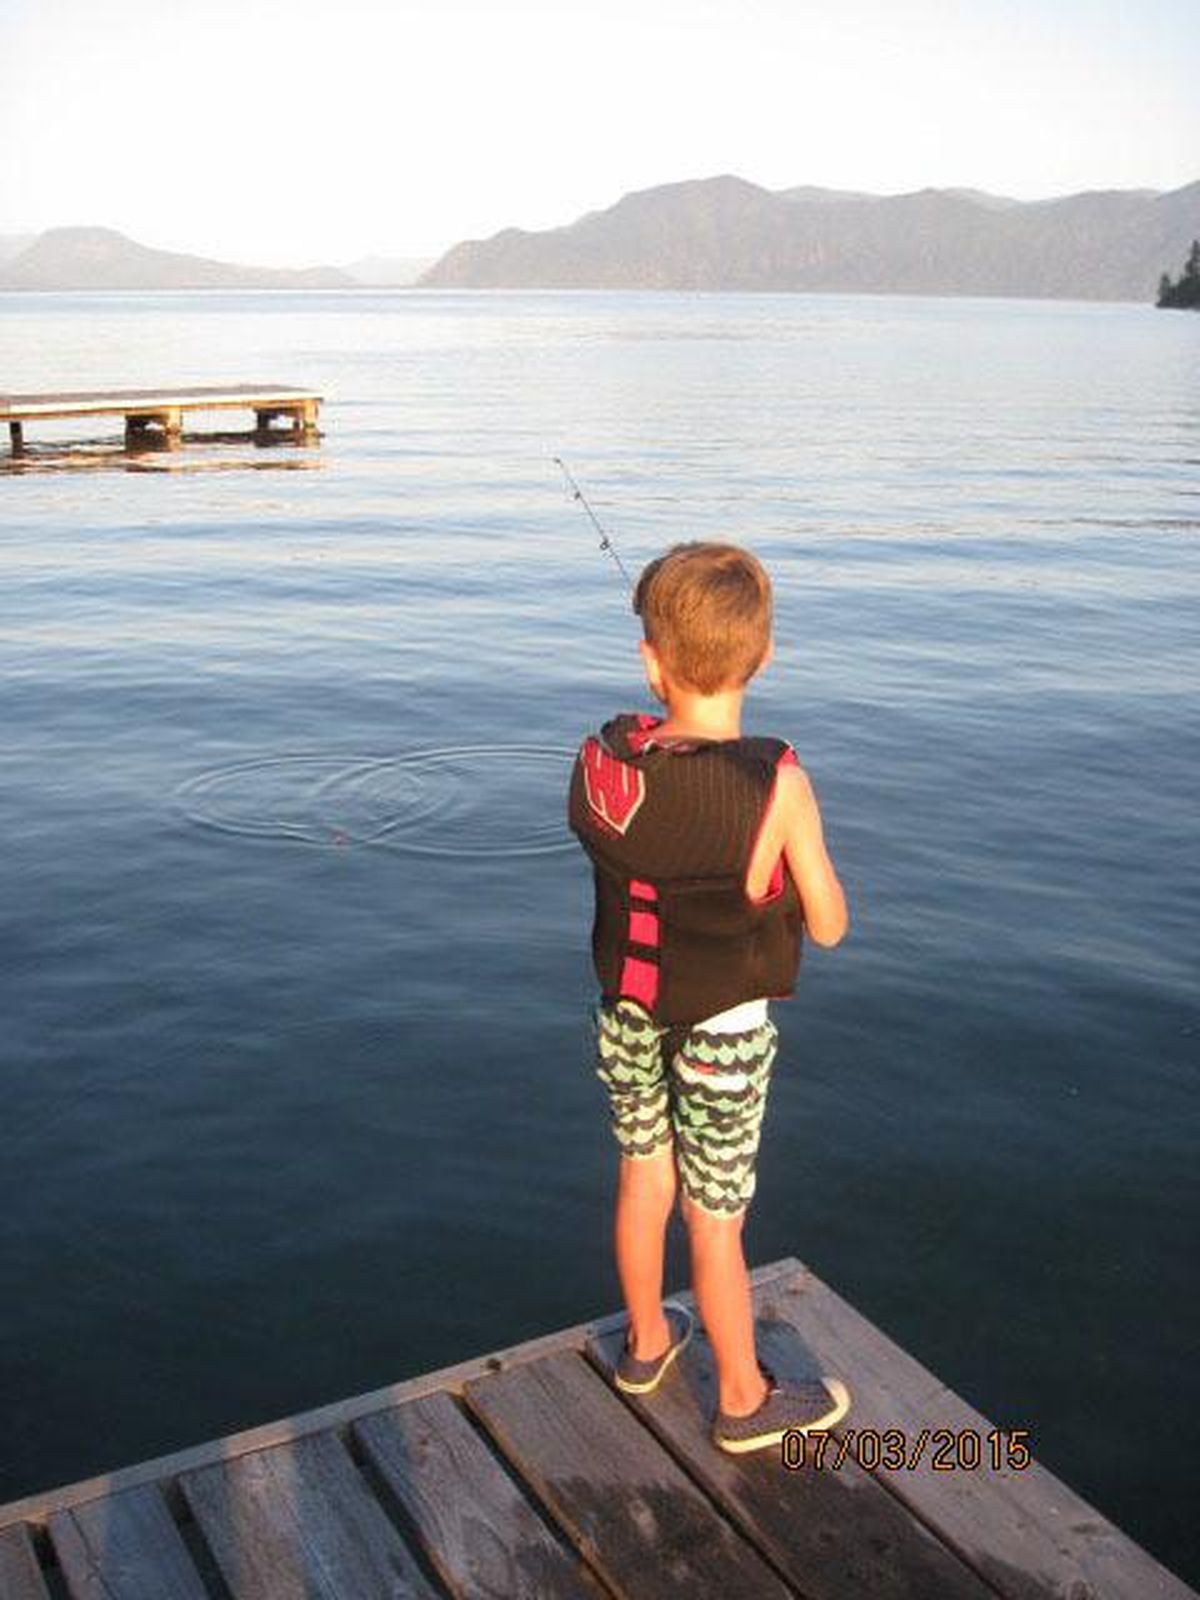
(706,609)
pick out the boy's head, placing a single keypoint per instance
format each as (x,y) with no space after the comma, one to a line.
(706,613)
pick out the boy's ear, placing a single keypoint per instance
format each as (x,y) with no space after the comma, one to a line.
(768,654)
(653,669)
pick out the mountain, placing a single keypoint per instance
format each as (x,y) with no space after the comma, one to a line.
(388,272)
(100,258)
(11,244)
(726,233)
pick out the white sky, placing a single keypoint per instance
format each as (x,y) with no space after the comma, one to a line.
(289,132)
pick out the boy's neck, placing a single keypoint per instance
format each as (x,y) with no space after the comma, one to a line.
(703,716)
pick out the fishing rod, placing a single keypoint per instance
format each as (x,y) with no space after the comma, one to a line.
(605,542)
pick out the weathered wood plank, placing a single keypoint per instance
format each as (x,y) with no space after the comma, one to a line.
(480,1532)
(20,1575)
(297,1522)
(92,402)
(628,1507)
(38,1506)
(124,1547)
(1024,1531)
(835,1535)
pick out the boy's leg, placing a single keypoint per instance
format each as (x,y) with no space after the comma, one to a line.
(630,1065)
(721,1084)
(723,1298)
(645,1198)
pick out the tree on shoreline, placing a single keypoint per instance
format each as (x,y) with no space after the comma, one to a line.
(1186,292)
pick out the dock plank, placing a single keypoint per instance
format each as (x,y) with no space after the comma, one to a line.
(297,1522)
(835,1535)
(124,1547)
(628,1507)
(20,1574)
(1024,1531)
(480,1532)
(112,402)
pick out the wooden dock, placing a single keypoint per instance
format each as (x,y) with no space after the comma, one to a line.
(525,1475)
(156,415)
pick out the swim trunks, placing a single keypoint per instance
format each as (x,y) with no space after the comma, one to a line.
(701,1087)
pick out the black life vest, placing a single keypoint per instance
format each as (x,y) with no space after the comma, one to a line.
(671,830)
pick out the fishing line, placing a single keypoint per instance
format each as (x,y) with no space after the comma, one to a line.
(605,542)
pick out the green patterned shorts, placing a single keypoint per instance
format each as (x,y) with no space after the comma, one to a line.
(705,1091)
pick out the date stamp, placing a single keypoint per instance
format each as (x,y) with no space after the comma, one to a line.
(896,1450)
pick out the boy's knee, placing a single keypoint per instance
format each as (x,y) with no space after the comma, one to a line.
(703,1223)
(652,1178)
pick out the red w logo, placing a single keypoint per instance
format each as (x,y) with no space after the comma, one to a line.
(615,790)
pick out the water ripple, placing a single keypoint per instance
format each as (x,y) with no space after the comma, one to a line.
(460,801)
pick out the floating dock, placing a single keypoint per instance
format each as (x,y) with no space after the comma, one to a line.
(156,415)
(525,1475)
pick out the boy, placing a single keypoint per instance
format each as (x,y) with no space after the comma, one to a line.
(709,861)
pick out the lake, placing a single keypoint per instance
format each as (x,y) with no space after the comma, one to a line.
(293,939)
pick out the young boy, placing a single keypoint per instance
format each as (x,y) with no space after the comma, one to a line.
(709,861)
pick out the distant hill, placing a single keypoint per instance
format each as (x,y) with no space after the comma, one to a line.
(389,272)
(101,258)
(11,244)
(725,233)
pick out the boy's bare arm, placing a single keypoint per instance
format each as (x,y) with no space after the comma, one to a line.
(825,916)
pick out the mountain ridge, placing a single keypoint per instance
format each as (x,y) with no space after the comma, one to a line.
(726,233)
(83,257)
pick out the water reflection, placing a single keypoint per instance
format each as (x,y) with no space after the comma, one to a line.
(263,450)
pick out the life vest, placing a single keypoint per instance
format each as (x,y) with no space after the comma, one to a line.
(671,830)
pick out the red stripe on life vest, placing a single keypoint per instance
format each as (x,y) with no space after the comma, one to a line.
(639,980)
(643,928)
(642,891)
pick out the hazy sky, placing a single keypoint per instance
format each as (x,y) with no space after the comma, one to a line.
(296,131)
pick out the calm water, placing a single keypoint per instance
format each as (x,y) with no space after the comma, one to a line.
(296,1087)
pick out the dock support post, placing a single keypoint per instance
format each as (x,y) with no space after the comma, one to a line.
(263,418)
(302,420)
(16,436)
(154,429)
